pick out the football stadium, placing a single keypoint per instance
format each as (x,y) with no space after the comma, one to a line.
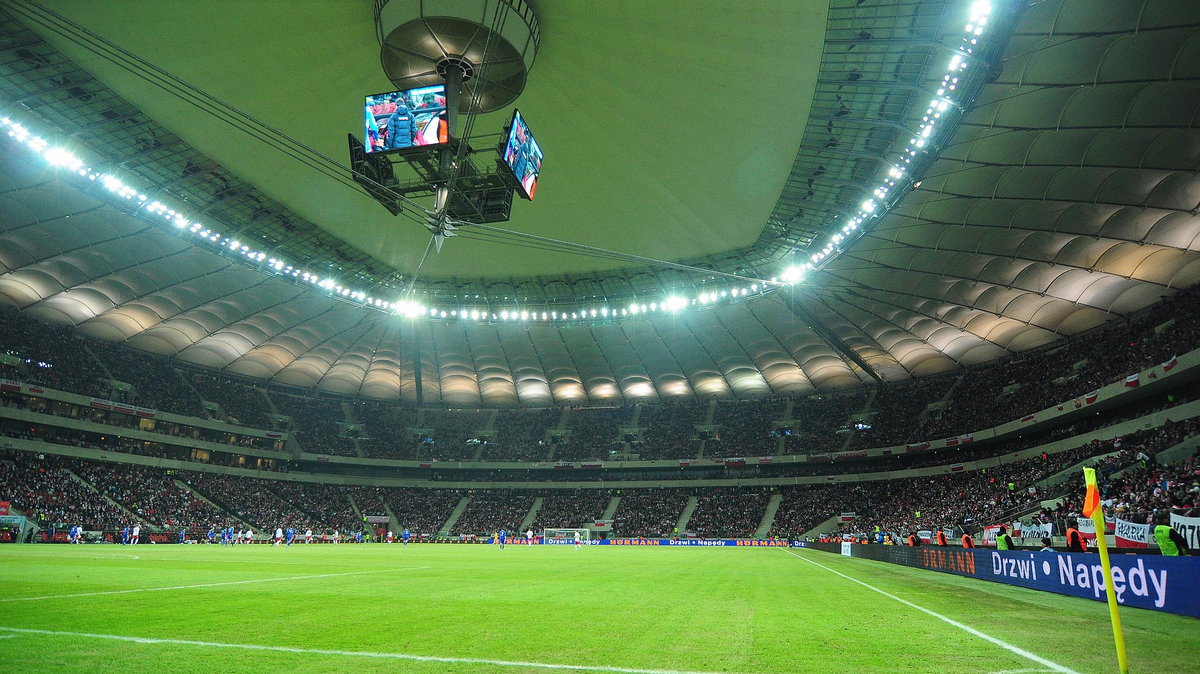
(843,336)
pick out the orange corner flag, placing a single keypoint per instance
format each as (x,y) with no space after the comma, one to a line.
(1091,501)
(1092,509)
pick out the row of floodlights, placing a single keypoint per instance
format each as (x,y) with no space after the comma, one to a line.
(977,20)
(63,158)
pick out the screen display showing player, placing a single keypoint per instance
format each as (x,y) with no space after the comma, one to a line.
(522,155)
(404,119)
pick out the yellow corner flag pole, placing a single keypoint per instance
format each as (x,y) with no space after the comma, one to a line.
(1092,509)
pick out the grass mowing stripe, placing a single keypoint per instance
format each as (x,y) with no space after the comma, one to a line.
(192,587)
(949,621)
(359,654)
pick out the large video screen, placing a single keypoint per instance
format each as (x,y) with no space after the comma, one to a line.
(523,155)
(399,120)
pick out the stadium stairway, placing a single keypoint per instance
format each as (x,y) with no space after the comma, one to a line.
(97,361)
(454,515)
(764,527)
(1179,452)
(1073,472)
(611,508)
(92,487)
(354,506)
(789,406)
(828,525)
(532,514)
(686,515)
(186,487)
(270,403)
(393,522)
(865,411)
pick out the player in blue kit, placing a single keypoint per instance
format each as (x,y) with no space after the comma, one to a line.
(502,537)
(125,535)
(404,537)
(75,534)
(183,535)
(212,535)
(291,533)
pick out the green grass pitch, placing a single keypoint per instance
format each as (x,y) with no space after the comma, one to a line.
(474,608)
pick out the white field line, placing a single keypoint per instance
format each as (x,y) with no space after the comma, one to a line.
(200,585)
(357,654)
(1054,667)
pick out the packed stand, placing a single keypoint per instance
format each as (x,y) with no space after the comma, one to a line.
(318,424)
(819,419)
(1035,381)
(327,503)
(729,513)
(387,429)
(804,507)
(595,432)
(745,428)
(455,434)
(422,511)
(649,513)
(156,384)
(521,435)
(491,511)
(151,494)
(49,495)
(51,355)
(1137,494)
(248,499)
(243,405)
(670,430)
(1147,485)
(896,409)
(571,509)
(996,494)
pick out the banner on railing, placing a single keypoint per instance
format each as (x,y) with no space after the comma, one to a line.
(1033,530)
(1131,534)
(1189,528)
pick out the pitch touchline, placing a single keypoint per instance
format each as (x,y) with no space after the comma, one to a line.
(199,585)
(949,621)
(359,654)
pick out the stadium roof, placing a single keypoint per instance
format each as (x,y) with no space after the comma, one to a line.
(736,141)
